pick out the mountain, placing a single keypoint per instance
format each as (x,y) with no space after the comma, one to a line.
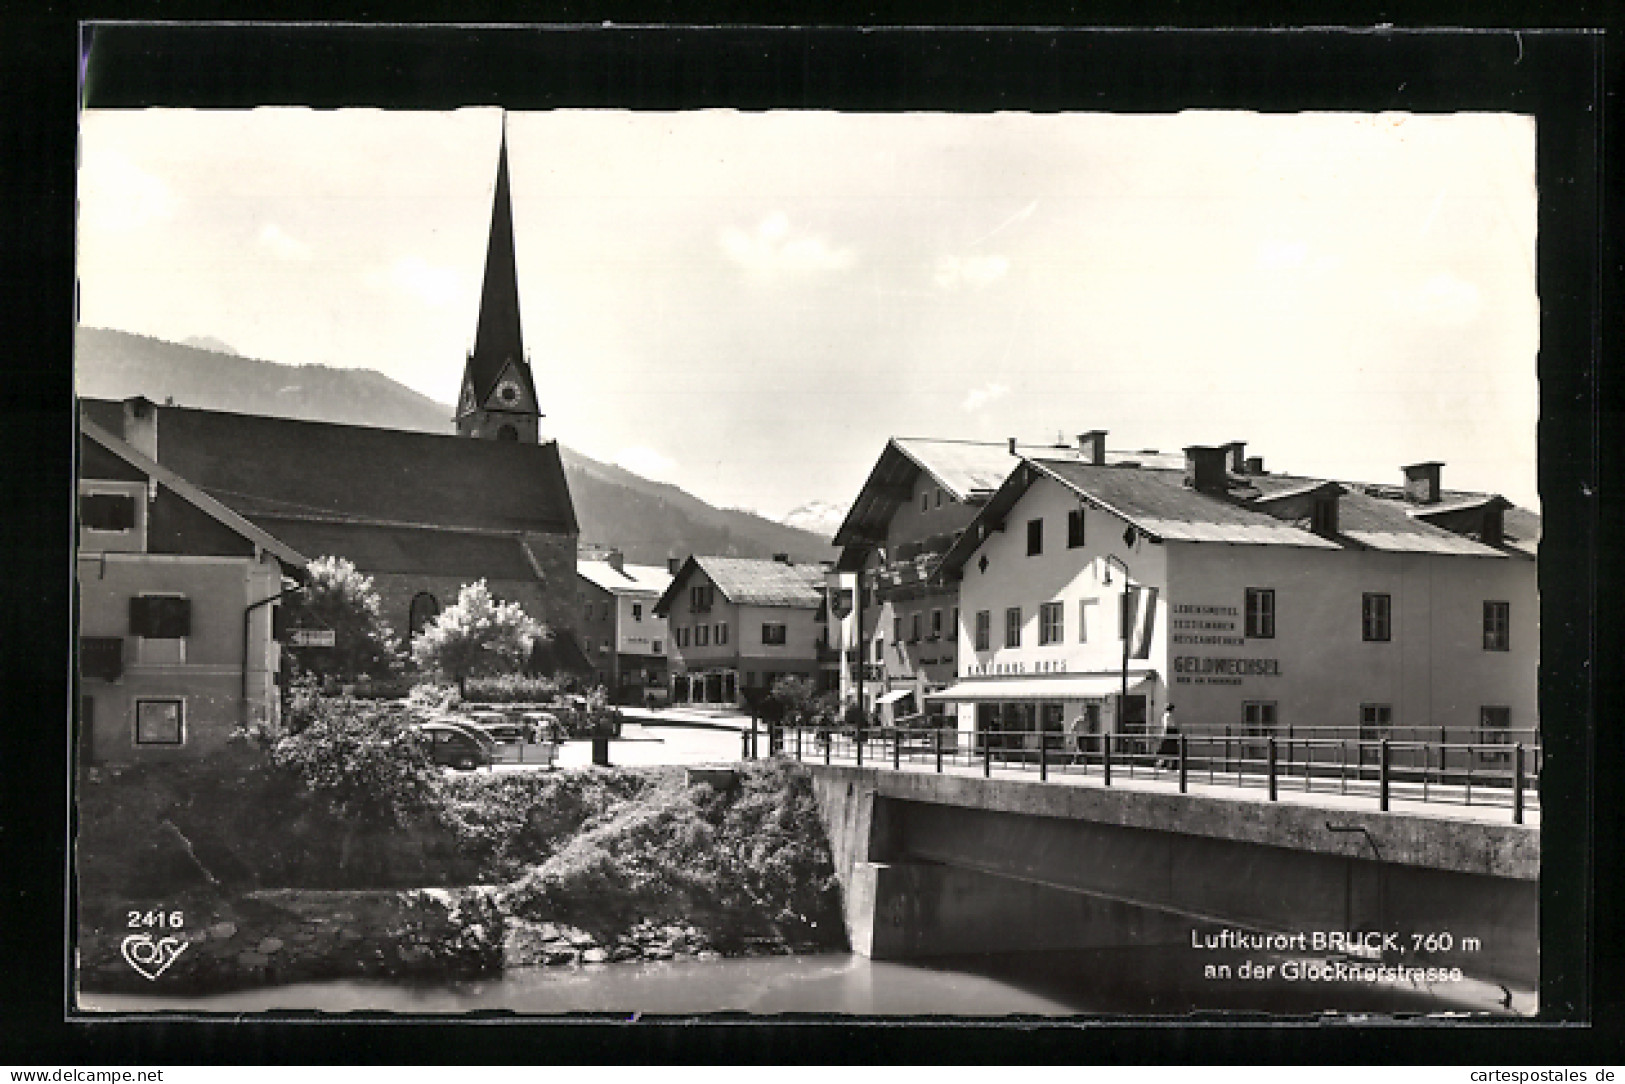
(649,521)
(822,518)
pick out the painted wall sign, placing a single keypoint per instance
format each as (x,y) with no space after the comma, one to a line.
(1206,670)
(1043,666)
(1199,624)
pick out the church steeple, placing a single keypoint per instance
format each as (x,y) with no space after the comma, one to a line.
(498,396)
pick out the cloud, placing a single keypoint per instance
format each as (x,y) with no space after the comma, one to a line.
(280,243)
(978,271)
(773,246)
(982,396)
(646,461)
(1282,255)
(1444,299)
(117,195)
(435,285)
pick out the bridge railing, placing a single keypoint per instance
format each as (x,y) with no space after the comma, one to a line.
(1462,772)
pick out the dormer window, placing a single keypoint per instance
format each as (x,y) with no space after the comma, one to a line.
(1323,516)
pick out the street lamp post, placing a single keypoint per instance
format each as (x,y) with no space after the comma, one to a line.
(1122,622)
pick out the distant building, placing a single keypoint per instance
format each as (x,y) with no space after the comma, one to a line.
(1254,601)
(620,632)
(740,624)
(176,597)
(420,513)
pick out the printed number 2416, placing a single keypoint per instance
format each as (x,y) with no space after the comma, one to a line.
(155,920)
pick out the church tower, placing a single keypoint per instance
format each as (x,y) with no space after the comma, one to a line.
(498,397)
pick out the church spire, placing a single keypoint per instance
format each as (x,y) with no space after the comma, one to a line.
(498,396)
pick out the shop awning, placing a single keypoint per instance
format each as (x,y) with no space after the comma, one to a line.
(1070,687)
(894,696)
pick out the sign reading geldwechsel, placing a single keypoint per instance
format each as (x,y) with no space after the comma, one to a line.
(1200,669)
(312,638)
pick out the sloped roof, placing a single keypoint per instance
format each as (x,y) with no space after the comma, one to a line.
(1158,503)
(263,466)
(412,550)
(498,337)
(290,556)
(749,581)
(628,579)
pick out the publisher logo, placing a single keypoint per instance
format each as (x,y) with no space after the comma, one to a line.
(151,958)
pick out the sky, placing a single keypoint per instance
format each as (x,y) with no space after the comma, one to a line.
(749,304)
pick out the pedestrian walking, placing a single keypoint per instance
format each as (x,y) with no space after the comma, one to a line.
(1168,746)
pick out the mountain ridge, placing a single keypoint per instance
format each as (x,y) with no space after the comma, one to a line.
(647,520)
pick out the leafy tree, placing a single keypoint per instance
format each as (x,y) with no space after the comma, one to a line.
(476,637)
(794,703)
(362,758)
(338,597)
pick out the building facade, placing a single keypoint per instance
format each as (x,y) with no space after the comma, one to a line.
(1252,601)
(620,631)
(176,601)
(739,624)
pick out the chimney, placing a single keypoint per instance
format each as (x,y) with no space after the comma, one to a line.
(141,426)
(1092,445)
(782,558)
(1204,469)
(1422,483)
(674,565)
(1012,445)
(617,560)
(1255,464)
(1237,452)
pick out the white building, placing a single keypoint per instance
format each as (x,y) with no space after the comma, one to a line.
(1277,601)
(621,634)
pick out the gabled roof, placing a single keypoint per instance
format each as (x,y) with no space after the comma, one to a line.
(748,581)
(290,469)
(626,580)
(1157,502)
(968,470)
(290,557)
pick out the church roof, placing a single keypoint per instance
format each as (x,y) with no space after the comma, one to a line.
(497,337)
(288,469)
(408,550)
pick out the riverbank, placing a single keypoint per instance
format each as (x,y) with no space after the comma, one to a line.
(227,877)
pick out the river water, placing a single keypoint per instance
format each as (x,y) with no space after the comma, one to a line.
(1138,981)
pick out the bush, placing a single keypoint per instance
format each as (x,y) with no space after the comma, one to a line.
(362,758)
(511,689)
(511,821)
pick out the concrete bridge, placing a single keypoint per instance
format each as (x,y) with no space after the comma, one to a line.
(955,863)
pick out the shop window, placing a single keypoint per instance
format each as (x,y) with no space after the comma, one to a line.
(1374,617)
(1258,717)
(1035,537)
(1497,626)
(1051,623)
(106,511)
(160,722)
(1261,613)
(160,617)
(773,634)
(1012,627)
(984,629)
(1074,528)
(1495,728)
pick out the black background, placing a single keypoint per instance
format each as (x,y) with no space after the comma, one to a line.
(1566,80)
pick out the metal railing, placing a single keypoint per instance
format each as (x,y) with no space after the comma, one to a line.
(1482,773)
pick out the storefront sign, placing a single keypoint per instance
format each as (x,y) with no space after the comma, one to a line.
(1043,666)
(312,638)
(1198,624)
(1206,670)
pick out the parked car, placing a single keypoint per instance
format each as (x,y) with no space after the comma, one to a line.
(542,726)
(455,745)
(496,726)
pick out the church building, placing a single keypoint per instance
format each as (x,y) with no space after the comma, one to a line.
(422,514)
